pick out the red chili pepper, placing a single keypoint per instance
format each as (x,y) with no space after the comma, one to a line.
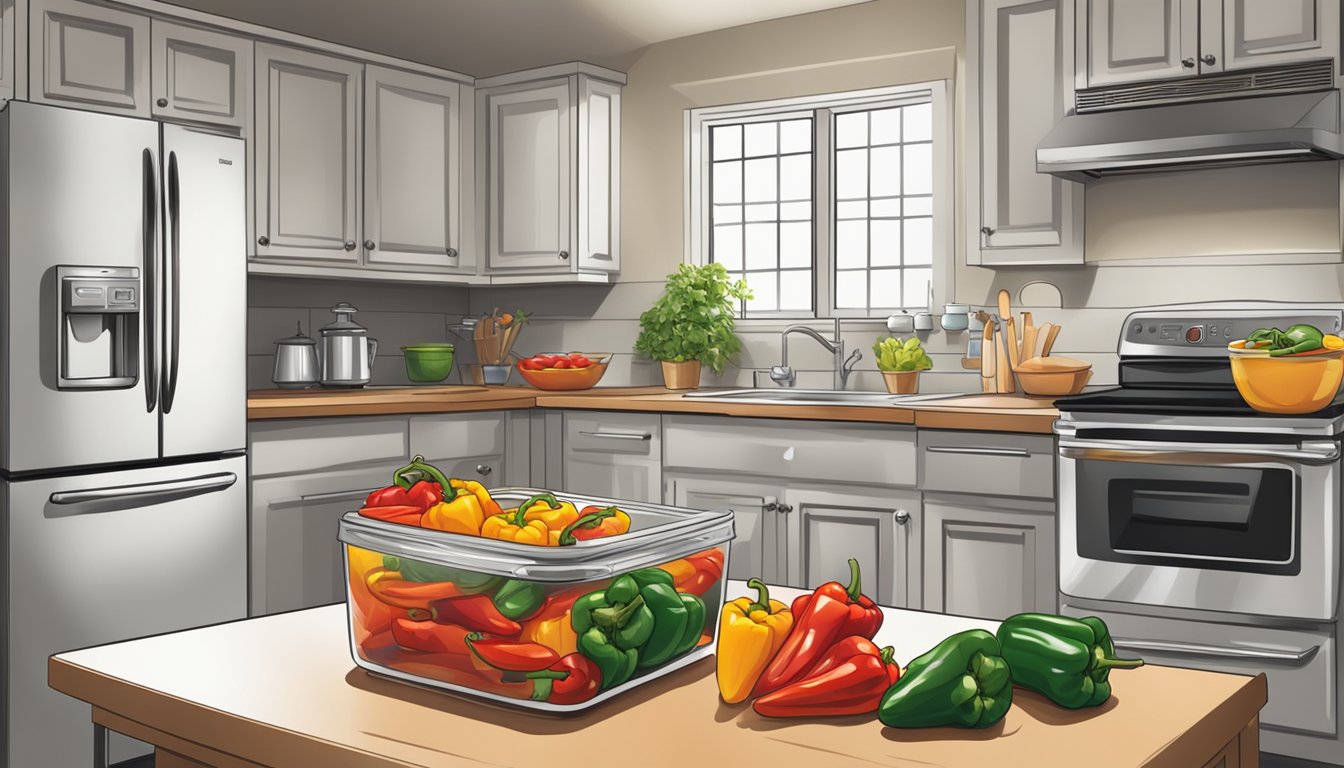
(831,612)
(511,655)
(391,496)
(405,514)
(849,680)
(475,612)
(573,679)
(430,636)
(708,571)
(425,494)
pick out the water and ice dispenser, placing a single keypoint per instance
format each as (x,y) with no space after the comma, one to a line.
(97,342)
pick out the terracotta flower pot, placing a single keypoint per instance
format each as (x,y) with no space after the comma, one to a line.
(901,382)
(683,375)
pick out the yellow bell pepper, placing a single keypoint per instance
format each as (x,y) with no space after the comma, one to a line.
(511,526)
(461,515)
(750,633)
(488,505)
(556,514)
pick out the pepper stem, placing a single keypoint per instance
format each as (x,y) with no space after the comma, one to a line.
(888,655)
(609,618)
(590,520)
(430,472)
(762,596)
(549,674)
(855,587)
(1102,662)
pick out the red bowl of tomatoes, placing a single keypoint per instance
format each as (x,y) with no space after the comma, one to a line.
(575,370)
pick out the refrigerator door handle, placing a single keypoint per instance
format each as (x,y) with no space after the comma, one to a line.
(174,301)
(150,226)
(147,493)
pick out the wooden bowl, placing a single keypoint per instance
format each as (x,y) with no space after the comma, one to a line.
(568,379)
(1053,376)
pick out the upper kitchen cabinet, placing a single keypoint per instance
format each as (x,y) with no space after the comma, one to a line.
(1139,40)
(200,76)
(12,59)
(1020,56)
(307,156)
(89,56)
(552,152)
(412,170)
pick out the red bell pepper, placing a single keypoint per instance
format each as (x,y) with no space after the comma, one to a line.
(475,612)
(408,492)
(573,679)
(849,680)
(511,655)
(830,613)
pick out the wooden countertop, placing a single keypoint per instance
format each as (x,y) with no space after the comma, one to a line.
(1002,413)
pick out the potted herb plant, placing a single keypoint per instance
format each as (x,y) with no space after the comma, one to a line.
(900,363)
(692,324)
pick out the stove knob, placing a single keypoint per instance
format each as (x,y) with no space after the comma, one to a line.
(1194,334)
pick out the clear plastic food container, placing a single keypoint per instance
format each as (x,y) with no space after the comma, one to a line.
(551,628)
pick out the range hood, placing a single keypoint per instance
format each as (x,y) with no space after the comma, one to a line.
(1239,131)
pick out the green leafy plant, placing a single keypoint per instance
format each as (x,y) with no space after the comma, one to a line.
(693,319)
(896,355)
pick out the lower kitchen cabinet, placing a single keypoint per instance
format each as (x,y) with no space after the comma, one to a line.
(988,557)
(759,547)
(878,528)
(613,455)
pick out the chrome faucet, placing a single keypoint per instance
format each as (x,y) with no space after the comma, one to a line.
(784,376)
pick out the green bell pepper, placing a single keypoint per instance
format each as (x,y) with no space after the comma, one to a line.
(1298,338)
(1067,660)
(612,625)
(963,681)
(467,582)
(695,622)
(519,599)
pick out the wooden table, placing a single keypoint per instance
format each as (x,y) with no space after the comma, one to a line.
(283,691)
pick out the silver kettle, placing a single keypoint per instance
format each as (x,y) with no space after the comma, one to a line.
(346,351)
(295,362)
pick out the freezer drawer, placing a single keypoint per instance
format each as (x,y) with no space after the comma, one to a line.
(100,558)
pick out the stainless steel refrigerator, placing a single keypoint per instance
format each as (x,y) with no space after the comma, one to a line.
(123,385)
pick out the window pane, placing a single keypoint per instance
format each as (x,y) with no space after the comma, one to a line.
(795,136)
(761,245)
(761,138)
(851,244)
(885,288)
(727,141)
(886,172)
(728,247)
(853,209)
(889,207)
(919,206)
(851,129)
(795,290)
(851,290)
(795,211)
(886,126)
(727,214)
(727,182)
(919,169)
(795,244)
(918,122)
(886,250)
(915,287)
(761,180)
(918,241)
(851,174)
(765,289)
(762,212)
(795,177)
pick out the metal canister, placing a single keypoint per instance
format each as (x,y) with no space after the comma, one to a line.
(347,352)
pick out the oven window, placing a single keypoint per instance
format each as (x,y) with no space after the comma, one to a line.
(1223,518)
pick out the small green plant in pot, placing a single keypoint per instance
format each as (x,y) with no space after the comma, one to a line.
(692,324)
(900,363)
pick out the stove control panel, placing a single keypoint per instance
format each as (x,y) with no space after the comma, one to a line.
(1209,334)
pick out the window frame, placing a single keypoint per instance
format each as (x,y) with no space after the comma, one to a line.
(822,108)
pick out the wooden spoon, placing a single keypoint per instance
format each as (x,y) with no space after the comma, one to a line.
(1050,341)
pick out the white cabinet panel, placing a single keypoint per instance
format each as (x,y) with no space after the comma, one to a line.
(200,75)
(758,551)
(879,529)
(616,455)
(599,145)
(1258,33)
(988,558)
(90,55)
(10,56)
(1141,40)
(530,172)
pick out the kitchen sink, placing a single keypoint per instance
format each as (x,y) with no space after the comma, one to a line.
(814,397)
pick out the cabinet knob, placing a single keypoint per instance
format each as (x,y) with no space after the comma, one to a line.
(986,231)
(564,255)
(483,470)
(369,245)
(1188,63)
(902,517)
(263,241)
(162,102)
(1209,59)
(349,245)
(452,253)
(770,506)
(786,508)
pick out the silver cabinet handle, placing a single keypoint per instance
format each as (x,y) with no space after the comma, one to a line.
(320,497)
(1314,453)
(902,517)
(786,508)
(483,470)
(349,245)
(369,245)
(162,102)
(1209,59)
(1020,453)
(148,492)
(1188,63)
(263,241)
(618,435)
(564,255)
(986,231)
(1219,652)
(452,253)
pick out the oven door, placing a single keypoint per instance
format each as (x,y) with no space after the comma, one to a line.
(1240,527)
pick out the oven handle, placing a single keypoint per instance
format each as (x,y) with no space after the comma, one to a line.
(1311,452)
(1217,651)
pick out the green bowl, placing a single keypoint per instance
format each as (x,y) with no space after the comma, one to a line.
(428,362)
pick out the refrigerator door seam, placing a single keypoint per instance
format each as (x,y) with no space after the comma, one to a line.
(174,256)
(150,224)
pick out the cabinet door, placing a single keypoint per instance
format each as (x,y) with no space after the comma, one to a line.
(307,155)
(1133,40)
(758,551)
(9,52)
(530,160)
(989,558)
(599,203)
(199,75)
(879,529)
(411,170)
(1026,86)
(90,56)
(1259,33)
(613,455)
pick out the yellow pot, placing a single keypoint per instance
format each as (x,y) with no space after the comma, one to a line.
(1302,383)
(683,375)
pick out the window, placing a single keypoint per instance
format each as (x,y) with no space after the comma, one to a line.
(834,206)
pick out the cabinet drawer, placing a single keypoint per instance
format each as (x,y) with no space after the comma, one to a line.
(989,463)
(636,434)
(1299,664)
(456,436)
(487,470)
(282,447)
(826,451)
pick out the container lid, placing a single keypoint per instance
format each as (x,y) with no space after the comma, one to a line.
(343,325)
(432,347)
(657,535)
(297,338)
